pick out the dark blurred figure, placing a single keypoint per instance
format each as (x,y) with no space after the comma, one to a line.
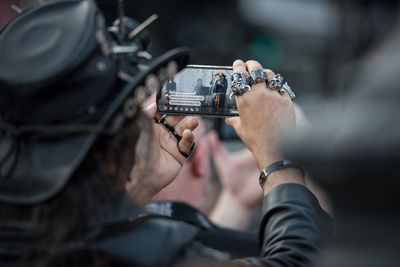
(219,87)
(220,78)
(359,163)
(170,86)
(200,89)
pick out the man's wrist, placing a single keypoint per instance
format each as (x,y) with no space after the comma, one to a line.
(283,176)
(265,159)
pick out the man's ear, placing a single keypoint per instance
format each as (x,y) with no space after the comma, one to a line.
(199,159)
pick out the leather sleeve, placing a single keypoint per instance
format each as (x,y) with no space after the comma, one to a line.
(293,228)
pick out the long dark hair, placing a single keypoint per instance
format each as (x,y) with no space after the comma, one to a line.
(96,187)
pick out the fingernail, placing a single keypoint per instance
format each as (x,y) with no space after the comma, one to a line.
(238,62)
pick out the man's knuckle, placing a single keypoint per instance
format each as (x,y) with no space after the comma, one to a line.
(238,62)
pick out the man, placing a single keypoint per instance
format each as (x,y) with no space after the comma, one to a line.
(220,76)
(200,89)
(170,86)
(220,86)
(69,147)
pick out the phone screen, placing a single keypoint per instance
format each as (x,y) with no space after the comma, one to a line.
(200,90)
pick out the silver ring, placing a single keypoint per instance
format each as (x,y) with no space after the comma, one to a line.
(286,87)
(278,83)
(240,84)
(258,76)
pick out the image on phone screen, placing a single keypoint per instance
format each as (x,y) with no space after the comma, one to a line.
(200,90)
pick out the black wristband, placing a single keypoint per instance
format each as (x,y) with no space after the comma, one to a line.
(277,166)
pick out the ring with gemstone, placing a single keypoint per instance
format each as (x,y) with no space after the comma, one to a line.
(258,76)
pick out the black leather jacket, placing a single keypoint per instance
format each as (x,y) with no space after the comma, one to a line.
(291,232)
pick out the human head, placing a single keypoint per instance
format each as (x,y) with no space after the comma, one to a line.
(68,104)
(61,147)
(199,82)
(220,73)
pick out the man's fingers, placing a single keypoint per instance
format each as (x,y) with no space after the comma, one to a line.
(253,65)
(171,120)
(187,141)
(234,122)
(270,74)
(150,110)
(190,123)
(240,66)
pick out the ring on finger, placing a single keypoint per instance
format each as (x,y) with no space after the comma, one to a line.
(171,129)
(278,83)
(186,154)
(258,76)
(240,84)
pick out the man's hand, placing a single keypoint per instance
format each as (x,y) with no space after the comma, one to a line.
(237,171)
(264,115)
(158,160)
(241,192)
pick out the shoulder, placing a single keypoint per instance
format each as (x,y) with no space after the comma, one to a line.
(151,241)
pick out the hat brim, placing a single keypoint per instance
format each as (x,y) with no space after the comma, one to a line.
(43,168)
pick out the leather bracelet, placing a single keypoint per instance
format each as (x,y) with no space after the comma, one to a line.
(277,166)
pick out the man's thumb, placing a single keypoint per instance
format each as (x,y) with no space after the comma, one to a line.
(234,122)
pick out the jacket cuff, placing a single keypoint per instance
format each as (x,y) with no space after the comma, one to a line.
(291,209)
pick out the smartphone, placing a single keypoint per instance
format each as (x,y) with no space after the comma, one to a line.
(198,90)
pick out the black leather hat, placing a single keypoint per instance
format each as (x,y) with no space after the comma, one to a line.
(59,90)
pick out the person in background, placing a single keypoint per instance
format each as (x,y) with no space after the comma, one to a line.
(170,86)
(200,89)
(219,88)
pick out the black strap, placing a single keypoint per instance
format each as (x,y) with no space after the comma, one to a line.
(277,166)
